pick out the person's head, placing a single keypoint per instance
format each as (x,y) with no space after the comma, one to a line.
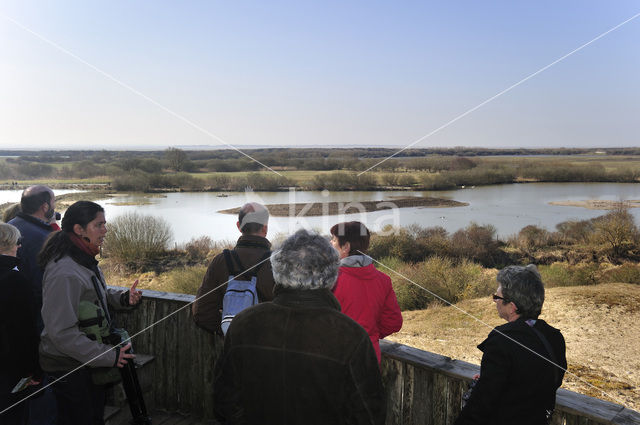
(9,239)
(350,238)
(520,293)
(38,201)
(253,219)
(11,212)
(305,260)
(86,220)
(83,219)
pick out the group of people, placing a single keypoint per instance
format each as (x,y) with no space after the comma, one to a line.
(307,353)
(55,314)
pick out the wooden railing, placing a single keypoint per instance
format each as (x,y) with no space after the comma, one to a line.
(422,387)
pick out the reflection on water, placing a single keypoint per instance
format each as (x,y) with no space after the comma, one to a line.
(508,207)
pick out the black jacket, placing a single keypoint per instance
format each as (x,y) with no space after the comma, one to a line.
(516,386)
(18,333)
(34,234)
(298,360)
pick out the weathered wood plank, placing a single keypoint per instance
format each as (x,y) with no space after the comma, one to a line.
(422,387)
(421,405)
(581,405)
(445,365)
(393,379)
(627,417)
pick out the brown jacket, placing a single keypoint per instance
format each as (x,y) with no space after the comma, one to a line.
(207,308)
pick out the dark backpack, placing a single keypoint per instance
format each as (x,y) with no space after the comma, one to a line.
(240,294)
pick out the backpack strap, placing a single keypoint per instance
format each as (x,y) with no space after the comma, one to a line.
(243,271)
(227,258)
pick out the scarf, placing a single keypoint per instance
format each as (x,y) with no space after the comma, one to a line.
(85,246)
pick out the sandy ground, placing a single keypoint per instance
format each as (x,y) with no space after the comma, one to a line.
(601,326)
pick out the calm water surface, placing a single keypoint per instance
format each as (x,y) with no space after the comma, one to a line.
(508,207)
(14,195)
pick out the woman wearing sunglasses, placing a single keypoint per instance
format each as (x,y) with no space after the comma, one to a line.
(523,361)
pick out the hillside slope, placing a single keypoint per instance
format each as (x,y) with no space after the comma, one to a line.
(601,325)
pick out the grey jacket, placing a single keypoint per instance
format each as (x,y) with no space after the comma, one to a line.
(62,345)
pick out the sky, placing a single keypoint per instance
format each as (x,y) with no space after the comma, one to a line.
(153,74)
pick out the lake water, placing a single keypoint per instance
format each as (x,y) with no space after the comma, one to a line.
(508,207)
(14,195)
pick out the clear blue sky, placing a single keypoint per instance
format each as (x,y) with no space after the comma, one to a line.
(296,73)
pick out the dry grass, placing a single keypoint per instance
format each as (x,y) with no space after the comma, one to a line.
(600,323)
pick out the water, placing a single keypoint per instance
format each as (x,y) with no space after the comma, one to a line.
(14,195)
(507,207)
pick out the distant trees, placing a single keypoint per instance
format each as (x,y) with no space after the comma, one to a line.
(176,158)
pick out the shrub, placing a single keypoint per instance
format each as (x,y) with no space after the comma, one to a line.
(575,231)
(477,243)
(343,181)
(137,181)
(391,179)
(133,236)
(625,273)
(406,180)
(563,274)
(438,182)
(616,231)
(397,243)
(440,276)
(198,248)
(185,280)
(269,182)
(461,163)
(219,182)
(532,237)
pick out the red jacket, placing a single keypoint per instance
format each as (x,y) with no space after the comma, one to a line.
(365,294)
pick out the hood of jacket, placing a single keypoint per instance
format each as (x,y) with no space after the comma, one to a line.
(360,273)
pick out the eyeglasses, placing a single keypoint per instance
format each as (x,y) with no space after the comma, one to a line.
(497,297)
(19,241)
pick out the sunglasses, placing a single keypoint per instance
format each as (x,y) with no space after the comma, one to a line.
(19,241)
(498,297)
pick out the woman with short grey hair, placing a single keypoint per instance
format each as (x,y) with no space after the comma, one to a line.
(19,359)
(9,236)
(305,260)
(523,361)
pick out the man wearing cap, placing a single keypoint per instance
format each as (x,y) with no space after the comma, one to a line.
(253,250)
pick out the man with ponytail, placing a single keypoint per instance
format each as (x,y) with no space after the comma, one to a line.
(72,281)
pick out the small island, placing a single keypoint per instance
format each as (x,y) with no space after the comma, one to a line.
(336,208)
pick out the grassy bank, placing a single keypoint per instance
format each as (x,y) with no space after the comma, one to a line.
(331,169)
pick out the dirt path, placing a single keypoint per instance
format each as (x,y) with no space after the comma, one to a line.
(601,326)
